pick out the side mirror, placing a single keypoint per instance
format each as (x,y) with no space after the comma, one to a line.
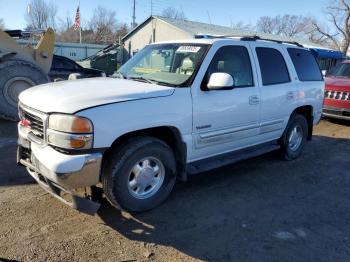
(219,81)
(324,73)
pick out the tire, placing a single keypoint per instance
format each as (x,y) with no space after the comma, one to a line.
(123,186)
(292,144)
(15,77)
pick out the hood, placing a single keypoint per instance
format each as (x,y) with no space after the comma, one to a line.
(72,96)
(337,83)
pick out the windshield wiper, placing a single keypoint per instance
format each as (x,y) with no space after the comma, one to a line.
(163,83)
(141,78)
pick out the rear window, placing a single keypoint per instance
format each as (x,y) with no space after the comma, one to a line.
(305,64)
(272,66)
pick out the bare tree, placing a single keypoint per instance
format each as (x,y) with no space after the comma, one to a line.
(286,25)
(338,13)
(2,24)
(172,12)
(41,15)
(64,24)
(242,26)
(103,24)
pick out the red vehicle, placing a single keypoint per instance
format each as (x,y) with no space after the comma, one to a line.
(337,93)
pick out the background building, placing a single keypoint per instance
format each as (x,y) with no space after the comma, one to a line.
(157,28)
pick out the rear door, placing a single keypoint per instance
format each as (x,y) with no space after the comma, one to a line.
(278,88)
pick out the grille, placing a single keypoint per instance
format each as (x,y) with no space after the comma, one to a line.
(337,95)
(36,124)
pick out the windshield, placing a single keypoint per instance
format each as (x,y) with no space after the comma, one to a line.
(167,64)
(343,71)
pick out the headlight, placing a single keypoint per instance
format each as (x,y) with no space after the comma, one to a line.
(70,132)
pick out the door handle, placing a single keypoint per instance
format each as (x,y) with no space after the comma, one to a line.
(290,95)
(254,100)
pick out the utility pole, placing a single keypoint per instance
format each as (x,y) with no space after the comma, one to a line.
(151,7)
(134,15)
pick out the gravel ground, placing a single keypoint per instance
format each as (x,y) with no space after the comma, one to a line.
(264,209)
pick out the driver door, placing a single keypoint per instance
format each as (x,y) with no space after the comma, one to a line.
(225,120)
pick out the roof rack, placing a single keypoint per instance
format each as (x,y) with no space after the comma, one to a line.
(252,37)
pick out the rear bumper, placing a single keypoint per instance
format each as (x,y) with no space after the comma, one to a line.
(334,112)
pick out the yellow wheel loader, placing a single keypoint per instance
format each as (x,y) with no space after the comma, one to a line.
(22,67)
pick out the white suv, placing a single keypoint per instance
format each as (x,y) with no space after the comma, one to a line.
(176,108)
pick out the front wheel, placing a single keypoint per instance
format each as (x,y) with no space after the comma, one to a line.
(140,174)
(294,137)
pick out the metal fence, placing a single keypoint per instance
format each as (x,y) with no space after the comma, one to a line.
(73,51)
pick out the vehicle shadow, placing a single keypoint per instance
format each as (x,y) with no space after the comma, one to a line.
(10,173)
(263,209)
(337,121)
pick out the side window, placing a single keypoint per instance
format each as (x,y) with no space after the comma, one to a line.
(273,68)
(235,61)
(305,64)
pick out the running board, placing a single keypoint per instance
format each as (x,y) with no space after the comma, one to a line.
(231,158)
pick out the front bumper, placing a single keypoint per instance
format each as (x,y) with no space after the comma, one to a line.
(61,174)
(334,112)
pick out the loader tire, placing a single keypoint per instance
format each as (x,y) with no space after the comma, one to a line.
(15,77)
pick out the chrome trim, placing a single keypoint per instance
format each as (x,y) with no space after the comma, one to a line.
(225,135)
(271,126)
(337,95)
(227,131)
(44,117)
(236,133)
(334,115)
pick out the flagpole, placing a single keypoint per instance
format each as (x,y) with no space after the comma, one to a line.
(80,24)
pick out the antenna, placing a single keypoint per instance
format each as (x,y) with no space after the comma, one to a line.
(134,15)
(209,17)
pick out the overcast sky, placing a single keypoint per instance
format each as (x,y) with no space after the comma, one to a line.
(220,12)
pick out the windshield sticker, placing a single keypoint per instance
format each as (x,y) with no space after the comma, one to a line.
(188,49)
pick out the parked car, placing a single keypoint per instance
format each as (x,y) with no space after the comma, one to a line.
(62,67)
(176,109)
(337,93)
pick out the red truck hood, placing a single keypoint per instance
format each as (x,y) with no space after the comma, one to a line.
(337,83)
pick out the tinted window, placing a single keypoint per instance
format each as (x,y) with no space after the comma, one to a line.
(272,66)
(343,70)
(305,64)
(235,61)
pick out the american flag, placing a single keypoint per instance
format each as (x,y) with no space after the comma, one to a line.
(77,20)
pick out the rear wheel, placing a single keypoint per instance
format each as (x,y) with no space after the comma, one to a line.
(140,174)
(15,77)
(294,138)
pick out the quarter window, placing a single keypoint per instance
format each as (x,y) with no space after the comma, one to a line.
(273,67)
(233,60)
(305,64)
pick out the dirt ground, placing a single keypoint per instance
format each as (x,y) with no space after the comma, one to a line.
(263,209)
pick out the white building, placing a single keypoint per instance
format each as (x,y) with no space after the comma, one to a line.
(157,28)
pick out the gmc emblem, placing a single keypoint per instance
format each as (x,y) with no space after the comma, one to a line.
(25,122)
